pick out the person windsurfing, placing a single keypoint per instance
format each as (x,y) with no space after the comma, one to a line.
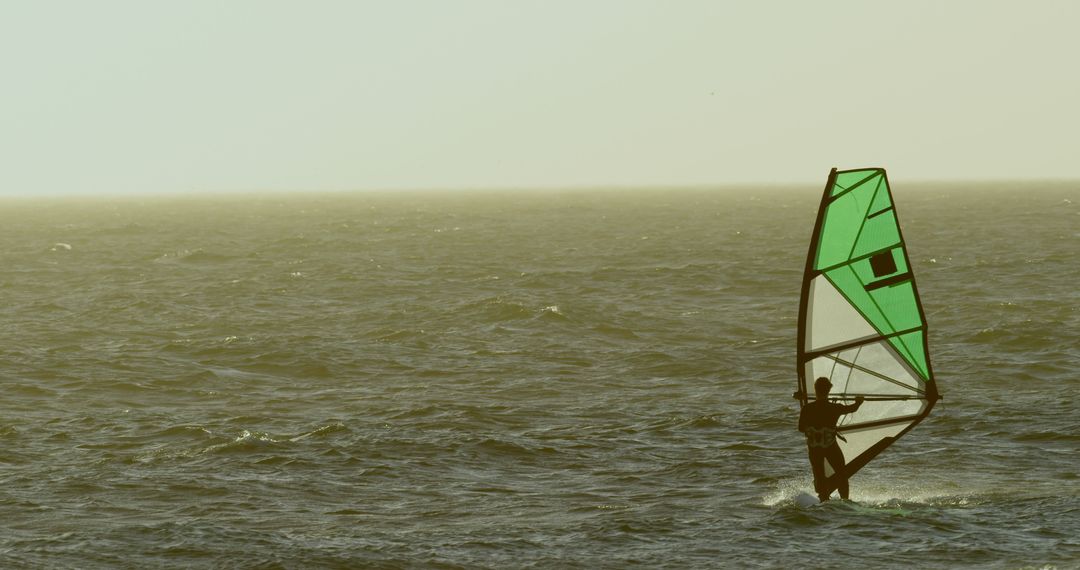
(818,421)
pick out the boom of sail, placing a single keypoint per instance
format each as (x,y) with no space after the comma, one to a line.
(861,324)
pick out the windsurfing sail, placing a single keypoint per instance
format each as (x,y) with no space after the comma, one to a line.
(861,324)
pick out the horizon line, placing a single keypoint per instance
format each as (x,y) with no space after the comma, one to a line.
(604,187)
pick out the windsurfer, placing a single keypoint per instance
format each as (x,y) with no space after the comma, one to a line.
(818,422)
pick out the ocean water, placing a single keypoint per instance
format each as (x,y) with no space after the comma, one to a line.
(578,379)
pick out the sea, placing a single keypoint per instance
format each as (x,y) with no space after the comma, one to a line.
(594,378)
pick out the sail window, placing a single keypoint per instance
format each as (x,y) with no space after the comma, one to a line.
(883,264)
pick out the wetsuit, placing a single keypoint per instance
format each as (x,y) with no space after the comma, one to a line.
(818,421)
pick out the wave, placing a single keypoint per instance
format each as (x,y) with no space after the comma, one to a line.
(194,257)
(864,491)
(187,442)
(247,441)
(396,336)
(288,369)
(124,230)
(494,310)
(503,448)
(552,312)
(1070,433)
(323,431)
(616,332)
(30,391)
(498,309)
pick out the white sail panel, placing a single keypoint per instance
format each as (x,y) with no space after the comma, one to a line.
(872,369)
(860,440)
(877,369)
(831,319)
(880,410)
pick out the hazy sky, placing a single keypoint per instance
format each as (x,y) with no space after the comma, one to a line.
(173,96)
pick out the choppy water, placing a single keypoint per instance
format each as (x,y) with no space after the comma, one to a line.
(549,380)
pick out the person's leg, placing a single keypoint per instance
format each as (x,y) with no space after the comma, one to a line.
(836,459)
(817,465)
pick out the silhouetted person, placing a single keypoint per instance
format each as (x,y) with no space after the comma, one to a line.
(818,421)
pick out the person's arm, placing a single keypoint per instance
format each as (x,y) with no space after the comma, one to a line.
(851,408)
(802,420)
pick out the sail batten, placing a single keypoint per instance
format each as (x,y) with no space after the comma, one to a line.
(875,374)
(859,342)
(879,423)
(861,322)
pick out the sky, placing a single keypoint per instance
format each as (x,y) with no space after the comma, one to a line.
(155,96)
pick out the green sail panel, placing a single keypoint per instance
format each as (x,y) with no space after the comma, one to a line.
(861,322)
(848,180)
(912,344)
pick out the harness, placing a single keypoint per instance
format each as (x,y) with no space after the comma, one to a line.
(822,437)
